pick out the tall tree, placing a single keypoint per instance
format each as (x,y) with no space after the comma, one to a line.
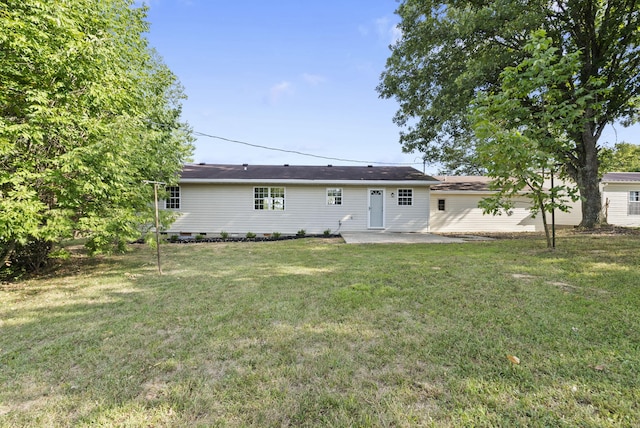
(451,50)
(87,112)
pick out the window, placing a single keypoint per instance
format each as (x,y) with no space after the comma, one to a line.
(173,198)
(634,203)
(440,204)
(334,196)
(268,198)
(405,196)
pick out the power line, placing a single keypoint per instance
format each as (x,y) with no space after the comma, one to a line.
(202,134)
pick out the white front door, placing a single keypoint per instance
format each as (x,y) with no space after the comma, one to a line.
(376,208)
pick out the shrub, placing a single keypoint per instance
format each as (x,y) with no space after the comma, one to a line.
(276,235)
(301,233)
(250,235)
(224,235)
(25,258)
(327,232)
(199,237)
(173,238)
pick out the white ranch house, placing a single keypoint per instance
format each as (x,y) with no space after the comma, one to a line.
(264,199)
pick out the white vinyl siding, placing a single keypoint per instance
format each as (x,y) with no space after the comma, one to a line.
(634,203)
(212,208)
(462,215)
(617,203)
(408,218)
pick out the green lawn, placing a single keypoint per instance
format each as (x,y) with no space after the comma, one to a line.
(314,332)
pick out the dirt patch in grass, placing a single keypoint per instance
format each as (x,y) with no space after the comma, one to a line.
(522,276)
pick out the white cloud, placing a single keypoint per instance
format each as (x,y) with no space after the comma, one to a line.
(386,30)
(363,30)
(313,79)
(280,90)
(396,34)
(382,26)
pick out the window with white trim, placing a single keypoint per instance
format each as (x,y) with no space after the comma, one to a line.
(173,198)
(441,205)
(268,198)
(405,196)
(334,196)
(634,203)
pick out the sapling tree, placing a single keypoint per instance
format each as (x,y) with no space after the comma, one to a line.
(515,150)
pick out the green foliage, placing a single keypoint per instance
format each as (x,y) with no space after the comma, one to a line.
(516,151)
(623,157)
(301,233)
(450,51)
(327,232)
(87,112)
(250,235)
(224,235)
(276,235)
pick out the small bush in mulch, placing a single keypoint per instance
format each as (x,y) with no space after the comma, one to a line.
(250,238)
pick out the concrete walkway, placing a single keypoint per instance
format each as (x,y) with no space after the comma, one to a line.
(382,237)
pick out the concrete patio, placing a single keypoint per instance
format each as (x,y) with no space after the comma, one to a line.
(383,237)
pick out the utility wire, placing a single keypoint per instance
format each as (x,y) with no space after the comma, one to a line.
(202,134)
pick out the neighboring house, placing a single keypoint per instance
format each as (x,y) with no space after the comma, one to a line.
(621,198)
(264,199)
(454,208)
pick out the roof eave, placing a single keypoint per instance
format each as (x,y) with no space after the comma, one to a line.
(463,192)
(415,183)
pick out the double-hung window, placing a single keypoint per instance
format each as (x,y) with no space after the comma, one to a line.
(634,203)
(173,198)
(334,196)
(405,196)
(268,198)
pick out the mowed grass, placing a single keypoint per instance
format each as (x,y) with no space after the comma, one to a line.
(314,332)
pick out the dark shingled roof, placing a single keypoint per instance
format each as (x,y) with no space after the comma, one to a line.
(462,183)
(621,176)
(285,172)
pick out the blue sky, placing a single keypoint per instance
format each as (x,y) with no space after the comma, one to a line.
(295,75)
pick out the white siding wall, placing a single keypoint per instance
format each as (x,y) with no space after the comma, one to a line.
(207,208)
(617,196)
(462,214)
(407,218)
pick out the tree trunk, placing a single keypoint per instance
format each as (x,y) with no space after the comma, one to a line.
(586,177)
(543,213)
(8,252)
